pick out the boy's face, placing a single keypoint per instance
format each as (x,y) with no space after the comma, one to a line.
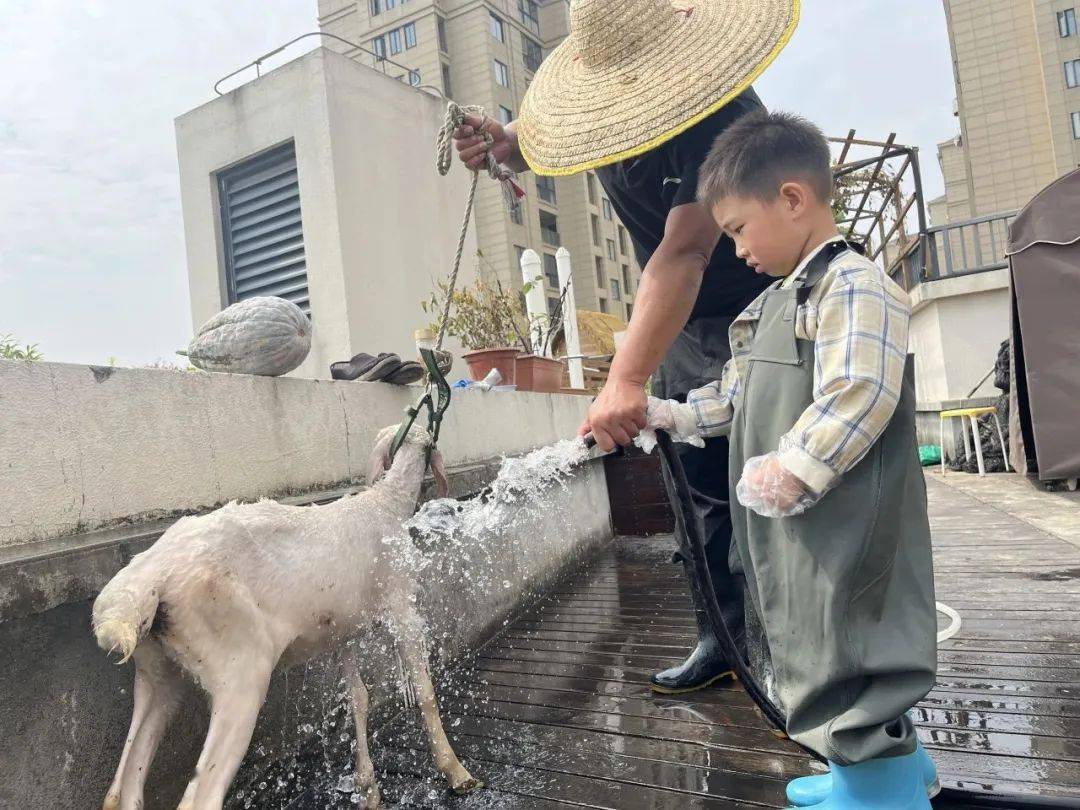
(769,235)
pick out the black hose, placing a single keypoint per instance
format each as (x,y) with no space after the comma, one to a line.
(688,522)
(686,518)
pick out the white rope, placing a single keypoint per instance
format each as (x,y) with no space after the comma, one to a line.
(455,117)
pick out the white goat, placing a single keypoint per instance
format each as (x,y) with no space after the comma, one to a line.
(228,596)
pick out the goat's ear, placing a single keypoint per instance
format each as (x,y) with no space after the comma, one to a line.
(438,469)
(380,456)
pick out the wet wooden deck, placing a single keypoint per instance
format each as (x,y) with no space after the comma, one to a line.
(556,712)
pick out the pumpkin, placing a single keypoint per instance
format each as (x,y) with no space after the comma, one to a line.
(265,335)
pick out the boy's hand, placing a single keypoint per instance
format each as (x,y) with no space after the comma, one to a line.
(767,488)
(660,415)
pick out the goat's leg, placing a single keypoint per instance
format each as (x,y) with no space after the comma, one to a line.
(161,683)
(142,700)
(235,705)
(365,771)
(461,781)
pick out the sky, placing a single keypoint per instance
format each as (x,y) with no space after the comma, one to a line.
(92,263)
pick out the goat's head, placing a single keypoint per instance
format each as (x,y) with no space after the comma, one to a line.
(417,440)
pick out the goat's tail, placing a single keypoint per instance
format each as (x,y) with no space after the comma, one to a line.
(125,609)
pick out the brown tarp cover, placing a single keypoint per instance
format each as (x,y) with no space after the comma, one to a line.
(1044,258)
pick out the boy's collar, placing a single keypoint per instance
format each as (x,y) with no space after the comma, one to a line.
(800,271)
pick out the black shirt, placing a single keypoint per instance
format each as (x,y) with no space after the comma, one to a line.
(644,189)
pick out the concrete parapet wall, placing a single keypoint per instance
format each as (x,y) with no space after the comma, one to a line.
(88,447)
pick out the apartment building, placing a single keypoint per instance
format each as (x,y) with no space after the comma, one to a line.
(1017,72)
(485,52)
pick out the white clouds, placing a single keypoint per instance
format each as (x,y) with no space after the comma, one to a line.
(91,248)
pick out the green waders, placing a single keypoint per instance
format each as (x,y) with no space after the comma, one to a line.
(845,591)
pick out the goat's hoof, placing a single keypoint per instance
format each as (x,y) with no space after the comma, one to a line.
(369,798)
(112,802)
(467,786)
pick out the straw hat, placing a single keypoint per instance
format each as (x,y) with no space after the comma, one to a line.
(635,73)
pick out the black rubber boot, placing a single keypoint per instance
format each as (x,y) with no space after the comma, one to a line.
(704,667)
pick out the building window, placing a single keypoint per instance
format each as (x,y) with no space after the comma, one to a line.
(379,46)
(553,307)
(520,252)
(440,27)
(603,306)
(615,293)
(262,229)
(599,272)
(611,249)
(1067,22)
(515,215)
(551,271)
(549,229)
(375,7)
(534,54)
(502,73)
(626,278)
(530,16)
(607,208)
(622,240)
(410,35)
(595,229)
(498,30)
(1076,125)
(506,115)
(590,181)
(395,41)
(629,312)
(545,187)
(389,4)
(1072,73)
(414,78)
(446,81)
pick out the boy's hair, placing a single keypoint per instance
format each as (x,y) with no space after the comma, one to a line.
(760,152)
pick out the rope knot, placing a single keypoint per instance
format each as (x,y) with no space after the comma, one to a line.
(455,118)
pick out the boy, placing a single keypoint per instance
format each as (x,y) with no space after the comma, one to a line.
(832,532)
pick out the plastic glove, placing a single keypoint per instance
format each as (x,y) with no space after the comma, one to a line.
(663,414)
(767,488)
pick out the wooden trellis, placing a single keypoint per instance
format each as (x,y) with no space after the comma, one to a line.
(880,202)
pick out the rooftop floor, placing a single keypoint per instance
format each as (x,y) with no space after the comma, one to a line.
(556,711)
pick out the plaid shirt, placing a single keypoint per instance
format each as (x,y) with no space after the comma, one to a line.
(857,318)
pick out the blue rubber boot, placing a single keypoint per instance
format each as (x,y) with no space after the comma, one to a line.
(817,791)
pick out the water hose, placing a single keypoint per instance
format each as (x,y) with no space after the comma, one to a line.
(687,521)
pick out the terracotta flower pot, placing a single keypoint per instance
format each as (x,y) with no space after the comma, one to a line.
(483,361)
(540,374)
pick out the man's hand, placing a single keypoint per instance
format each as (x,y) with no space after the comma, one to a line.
(617,415)
(472,147)
(767,488)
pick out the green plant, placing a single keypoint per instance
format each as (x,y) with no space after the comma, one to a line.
(482,316)
(11,350)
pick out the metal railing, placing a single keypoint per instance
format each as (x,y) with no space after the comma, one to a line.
(973,246)
(949,251)
(379,62)
(550,236)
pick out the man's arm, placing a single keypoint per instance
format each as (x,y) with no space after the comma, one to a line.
(669,288)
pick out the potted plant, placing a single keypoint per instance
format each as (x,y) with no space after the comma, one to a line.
(536,369)
(484,319)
